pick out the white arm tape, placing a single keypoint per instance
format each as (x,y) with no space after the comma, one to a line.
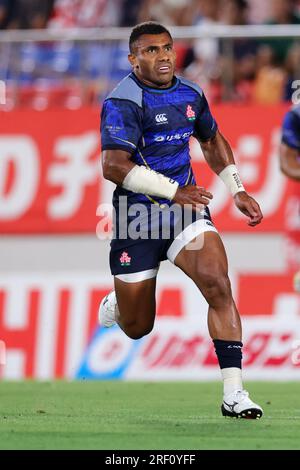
(230,176)
(145,181)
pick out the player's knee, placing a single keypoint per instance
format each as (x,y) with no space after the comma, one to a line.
(136,330)
(216,287)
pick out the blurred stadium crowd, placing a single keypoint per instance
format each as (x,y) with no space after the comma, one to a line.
(74,73)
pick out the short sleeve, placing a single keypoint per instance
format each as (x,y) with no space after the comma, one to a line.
(121,125)
(291,130)
(205,125)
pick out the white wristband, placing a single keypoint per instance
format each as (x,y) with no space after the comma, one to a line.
(145,181)
(230,176)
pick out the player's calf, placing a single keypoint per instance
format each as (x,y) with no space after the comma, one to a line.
(135,327)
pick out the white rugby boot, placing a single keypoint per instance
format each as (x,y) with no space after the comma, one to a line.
(239,405)
(108,310)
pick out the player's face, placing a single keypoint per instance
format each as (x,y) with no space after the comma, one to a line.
(153,59)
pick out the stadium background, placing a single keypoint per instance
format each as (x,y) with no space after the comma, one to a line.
(57,66)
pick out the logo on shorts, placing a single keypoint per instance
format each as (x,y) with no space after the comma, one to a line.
(125,259)
(190,113)
(208,222)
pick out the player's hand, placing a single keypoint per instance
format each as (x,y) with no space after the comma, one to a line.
(248,206)
(193,195)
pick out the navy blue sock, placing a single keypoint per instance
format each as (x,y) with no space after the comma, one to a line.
(229,353)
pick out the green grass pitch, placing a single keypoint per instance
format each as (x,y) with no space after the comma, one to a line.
(140,415)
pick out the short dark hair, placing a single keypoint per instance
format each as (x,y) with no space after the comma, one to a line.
(149,27)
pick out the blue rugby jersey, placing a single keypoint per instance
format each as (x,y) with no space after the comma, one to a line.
(291,128)
(155,126)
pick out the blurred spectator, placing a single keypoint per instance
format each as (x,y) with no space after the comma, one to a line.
(31,14)
(259,11)
(167,12)
(7,8)
(85,13)
(282,12)
(269,84)
(238,58)
(130,12)
(274,78)
(203,67)
(234,12)
(207,49)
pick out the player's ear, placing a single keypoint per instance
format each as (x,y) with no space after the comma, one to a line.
(132,60)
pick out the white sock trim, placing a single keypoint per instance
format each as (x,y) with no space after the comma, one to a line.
(232,380)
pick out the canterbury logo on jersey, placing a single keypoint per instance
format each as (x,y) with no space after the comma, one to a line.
(161,118)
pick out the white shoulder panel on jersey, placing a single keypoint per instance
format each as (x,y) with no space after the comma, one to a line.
(191,85)
(129,90)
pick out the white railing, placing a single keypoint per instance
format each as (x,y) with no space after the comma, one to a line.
(119,34)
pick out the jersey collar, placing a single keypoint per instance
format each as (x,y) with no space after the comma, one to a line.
(155,90)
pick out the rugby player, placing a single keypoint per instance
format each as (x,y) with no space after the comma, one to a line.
(146,125)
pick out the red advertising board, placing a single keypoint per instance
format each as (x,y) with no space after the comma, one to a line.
(48,325)
(49,171)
